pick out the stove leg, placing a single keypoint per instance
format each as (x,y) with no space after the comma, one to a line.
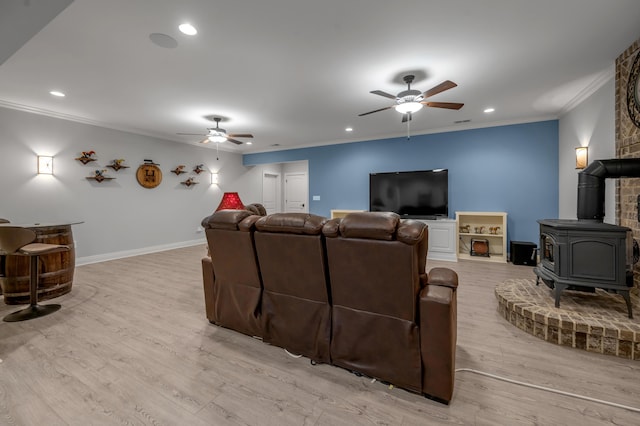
(627,298)
(559,289)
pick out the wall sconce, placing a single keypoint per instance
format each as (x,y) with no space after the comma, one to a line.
(45,165)
(582,157)
(214,178)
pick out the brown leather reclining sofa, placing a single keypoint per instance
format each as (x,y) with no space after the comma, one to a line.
(352,292)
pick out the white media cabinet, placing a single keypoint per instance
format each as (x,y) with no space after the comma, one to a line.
(442,239)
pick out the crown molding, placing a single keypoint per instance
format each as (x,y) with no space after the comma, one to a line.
(454,128)
(49,113)
(97,123)
(600,80)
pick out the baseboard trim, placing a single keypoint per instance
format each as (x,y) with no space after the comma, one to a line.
(447,257)
(87,260)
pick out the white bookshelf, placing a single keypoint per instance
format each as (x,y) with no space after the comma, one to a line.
(490,226)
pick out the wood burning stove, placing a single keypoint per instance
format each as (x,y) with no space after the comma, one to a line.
(586,254)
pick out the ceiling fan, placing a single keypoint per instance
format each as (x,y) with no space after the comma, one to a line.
(219,135)
(409,101)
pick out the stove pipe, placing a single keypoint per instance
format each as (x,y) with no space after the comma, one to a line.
(591,184)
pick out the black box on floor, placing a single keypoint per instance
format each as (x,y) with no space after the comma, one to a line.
(523,253)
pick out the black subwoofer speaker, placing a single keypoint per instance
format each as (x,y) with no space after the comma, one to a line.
(523,253)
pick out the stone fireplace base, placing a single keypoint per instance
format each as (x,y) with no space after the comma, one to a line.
(595,322)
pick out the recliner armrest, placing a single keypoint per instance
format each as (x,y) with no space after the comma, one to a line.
(438,336)
(208,281)
(443,276)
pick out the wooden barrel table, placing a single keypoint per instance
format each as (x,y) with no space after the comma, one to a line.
(55,270)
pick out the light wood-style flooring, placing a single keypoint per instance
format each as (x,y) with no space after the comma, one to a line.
(132,346)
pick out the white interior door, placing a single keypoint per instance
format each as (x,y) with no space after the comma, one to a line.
(296,192)
(271,192)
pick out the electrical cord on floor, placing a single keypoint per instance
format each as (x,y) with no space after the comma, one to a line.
(530,385)
(517,382)
(292,355)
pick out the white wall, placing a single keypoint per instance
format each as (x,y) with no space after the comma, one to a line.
(120,217)
(592,124)
(296,167)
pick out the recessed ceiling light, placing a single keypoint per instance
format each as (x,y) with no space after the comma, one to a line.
(57,93)
(349,129)
(249,143)
(488,110)
(187,29)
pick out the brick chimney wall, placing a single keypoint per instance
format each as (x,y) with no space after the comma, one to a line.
(627,146)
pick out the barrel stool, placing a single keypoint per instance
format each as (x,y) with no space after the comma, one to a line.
(18,241)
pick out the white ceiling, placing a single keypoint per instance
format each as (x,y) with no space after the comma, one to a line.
(298,72)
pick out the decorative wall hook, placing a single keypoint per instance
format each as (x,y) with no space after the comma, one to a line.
(179,170)
(99,176)
(189,182)
(86,157)
(117,164)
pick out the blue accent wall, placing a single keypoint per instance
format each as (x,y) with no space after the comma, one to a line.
(510,168)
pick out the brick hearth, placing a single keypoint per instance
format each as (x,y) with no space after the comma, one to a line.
(595,322)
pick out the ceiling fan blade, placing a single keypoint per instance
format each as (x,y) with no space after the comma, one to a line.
(447,105)
(191,134)
(406,117)
(385,94)
(234,141)
(205,140)
(377,110)
(445,85)
(240,135)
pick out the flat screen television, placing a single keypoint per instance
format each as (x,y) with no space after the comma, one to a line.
(420,194)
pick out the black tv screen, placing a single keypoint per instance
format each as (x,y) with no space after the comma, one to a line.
(422,194)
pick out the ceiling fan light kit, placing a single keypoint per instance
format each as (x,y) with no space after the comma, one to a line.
(219,135)
(409,101)
(408,107)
